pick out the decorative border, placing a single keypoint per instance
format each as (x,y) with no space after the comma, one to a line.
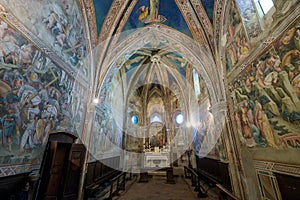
(218,18)
(89,12)
(203,18)
(16,169)
(293,170)
(194,25)
(112,18)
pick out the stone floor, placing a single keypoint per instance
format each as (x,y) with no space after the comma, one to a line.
(157,189)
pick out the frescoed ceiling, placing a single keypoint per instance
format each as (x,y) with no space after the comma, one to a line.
(176,14)
(114,22)
(168,14)
(209,8)
(101,10)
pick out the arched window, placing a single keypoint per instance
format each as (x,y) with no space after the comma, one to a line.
(264,5)
(155,118)
(135,119)
(179,118)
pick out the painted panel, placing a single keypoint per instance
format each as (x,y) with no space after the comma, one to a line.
(209,8)
(238,46)
(101,10)
(165,11)
(267,95)
(36,97)
(57,23)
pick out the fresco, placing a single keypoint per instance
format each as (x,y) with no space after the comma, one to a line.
(238,46)
(209,8)
(165,11)
(108,124)
(267,95)
(58,23)
(179,62)
(250,18)
(101,10)
(36,97)
(107,136)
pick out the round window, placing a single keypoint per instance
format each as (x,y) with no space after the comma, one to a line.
(134,119)
(179,118)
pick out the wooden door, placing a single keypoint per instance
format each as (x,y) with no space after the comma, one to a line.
(74,171)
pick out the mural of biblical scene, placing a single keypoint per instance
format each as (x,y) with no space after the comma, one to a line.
(267,95)
(209,8)
(57,23)
(238,46)
(250,18)
(149,11)
(101,10)
(36,97)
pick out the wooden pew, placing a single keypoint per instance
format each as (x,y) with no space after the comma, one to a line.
(195,179)
(213,172)
(99,176)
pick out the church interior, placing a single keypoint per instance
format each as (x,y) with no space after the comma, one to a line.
(166,99)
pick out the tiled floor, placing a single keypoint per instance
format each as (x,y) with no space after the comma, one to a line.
(157,189)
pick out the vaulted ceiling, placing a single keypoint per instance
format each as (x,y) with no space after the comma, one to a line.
(112,22)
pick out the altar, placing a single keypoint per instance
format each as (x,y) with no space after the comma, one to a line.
(156,160)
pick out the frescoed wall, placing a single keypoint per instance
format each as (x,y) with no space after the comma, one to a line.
(101,10)
(267,95)
(36,97)
(238,46)
(57,23)
(250,18)
(108,122)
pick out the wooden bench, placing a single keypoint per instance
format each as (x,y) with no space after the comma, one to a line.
(117,184)
(195,179)
(101,183)
(99,177)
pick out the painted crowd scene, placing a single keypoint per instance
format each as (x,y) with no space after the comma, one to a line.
(267,95)
(36,97)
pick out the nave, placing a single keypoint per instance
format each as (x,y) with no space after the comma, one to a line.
(182,189)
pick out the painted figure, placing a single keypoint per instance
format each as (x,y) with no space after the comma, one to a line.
(10,127)
(154,9)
